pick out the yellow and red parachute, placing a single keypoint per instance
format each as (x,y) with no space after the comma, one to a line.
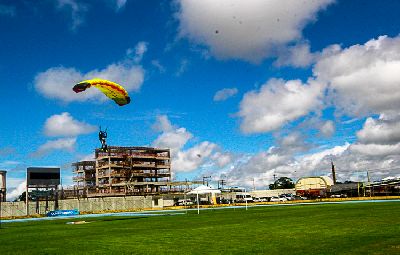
(111,89)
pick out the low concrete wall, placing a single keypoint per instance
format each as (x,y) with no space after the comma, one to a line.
(9,209)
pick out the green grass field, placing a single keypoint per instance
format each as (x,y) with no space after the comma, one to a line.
(365,228)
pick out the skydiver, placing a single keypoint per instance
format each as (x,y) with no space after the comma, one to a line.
(102,138)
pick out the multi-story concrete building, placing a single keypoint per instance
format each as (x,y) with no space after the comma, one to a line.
(125,171)
(85,177)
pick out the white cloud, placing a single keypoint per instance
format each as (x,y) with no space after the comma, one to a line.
(7,10)
(176,138)
(376,149)
(298,55)
(64,144)
(65,125)
(223,94)
(57,82)
(137,53)
(9,163)
(76,9)
(385,130)
(163,124)
(193,158)
(222,159)
(88,157)
(311,161)
(278,102)
(328,128)
(249,30)
(119,4)
(157,64)
(16,192)
(263,165)
(183,66)
(363,79)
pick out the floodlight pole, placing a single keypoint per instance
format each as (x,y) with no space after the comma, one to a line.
(26,196)
(1,200)
(184,197)
(245,198)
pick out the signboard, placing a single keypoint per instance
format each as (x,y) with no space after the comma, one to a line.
(62,213)
(43,176)
(40,193)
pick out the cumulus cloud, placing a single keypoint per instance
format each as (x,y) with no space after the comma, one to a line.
(298,55)
(279,162)
(193,158)
(56,82)
(384,130)
(14,193)
(352,162)
(276,103)
(222,159)
(63,144)
(376,149)
(328,128)
(65,125)
(223,94)
(363,79)
(248,30)
(163,124)
(176,138)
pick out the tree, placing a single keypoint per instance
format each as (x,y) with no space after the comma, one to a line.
(282,183)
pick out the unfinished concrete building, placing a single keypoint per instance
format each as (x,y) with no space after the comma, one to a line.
(132,170)
(85,177)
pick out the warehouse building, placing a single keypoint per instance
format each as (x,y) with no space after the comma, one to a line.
(315,186)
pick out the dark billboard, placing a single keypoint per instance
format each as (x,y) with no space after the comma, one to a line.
(43,176)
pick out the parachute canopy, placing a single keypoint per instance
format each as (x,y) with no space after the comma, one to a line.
(111,89)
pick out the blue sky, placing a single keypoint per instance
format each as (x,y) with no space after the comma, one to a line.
(255,88)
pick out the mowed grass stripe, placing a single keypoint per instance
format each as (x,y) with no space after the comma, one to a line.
(365,228)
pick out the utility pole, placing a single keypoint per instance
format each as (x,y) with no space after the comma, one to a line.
(274,180)
(206,178)
(221,184)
